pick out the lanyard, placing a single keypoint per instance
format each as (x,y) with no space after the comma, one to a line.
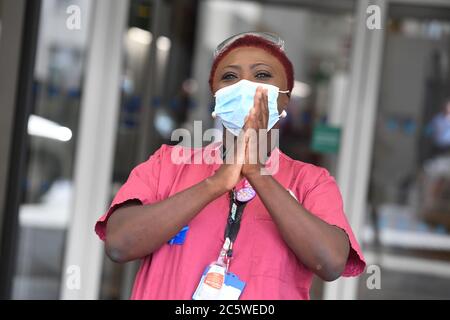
(233,224)
(234,217)
(232,228)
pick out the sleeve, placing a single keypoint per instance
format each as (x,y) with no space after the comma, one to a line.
(325,201)
(142,185)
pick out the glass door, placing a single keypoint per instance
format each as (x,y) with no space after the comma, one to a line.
(47,189)
(407,230)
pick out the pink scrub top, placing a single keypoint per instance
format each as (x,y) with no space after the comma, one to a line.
(261,258)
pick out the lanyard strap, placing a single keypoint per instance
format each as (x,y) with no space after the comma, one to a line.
(234,217)
(233,222)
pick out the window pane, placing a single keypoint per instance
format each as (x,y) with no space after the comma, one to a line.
(408,232)
(44,213)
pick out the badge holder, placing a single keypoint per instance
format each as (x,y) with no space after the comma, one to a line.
(217,283)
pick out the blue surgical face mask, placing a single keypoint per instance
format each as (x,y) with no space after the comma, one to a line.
(233,103)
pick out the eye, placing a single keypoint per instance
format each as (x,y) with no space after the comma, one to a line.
(263,75)
(229,76)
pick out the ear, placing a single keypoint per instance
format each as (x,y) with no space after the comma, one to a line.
(282,101)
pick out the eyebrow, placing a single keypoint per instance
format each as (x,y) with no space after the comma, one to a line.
(253,66)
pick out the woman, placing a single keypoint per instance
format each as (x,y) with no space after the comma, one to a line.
(270,232)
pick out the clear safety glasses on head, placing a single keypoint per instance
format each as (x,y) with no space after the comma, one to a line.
(270,37)
(234,102)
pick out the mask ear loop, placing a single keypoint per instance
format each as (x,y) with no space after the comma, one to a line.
(288,93)
(283,114)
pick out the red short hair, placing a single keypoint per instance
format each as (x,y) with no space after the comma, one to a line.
(257,42)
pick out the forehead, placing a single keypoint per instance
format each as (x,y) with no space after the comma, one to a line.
(248,56)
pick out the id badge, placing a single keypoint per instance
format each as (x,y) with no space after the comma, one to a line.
(218,284)
(180,237)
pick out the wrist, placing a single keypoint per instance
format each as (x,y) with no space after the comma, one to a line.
(255,177)
(250,171)
(216,185)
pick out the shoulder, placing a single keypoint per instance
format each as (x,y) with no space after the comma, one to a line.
(156,160)
(176,157)
(307,171)
(307,180)
(161,155)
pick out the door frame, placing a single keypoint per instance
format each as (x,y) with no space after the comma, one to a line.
(18,40)
(95,149)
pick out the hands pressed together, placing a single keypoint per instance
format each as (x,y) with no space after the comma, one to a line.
(246,161)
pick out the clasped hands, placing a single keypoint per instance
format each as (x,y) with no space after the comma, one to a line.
(245,161)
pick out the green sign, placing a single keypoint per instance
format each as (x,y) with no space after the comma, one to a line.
(326,139)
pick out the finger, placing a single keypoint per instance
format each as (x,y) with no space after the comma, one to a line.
(266,109)
(262,110)
(252,147)
(257,99)
(249,119)
(252,121)
(266,102)
(240,142)
(247,153)
(257,120)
